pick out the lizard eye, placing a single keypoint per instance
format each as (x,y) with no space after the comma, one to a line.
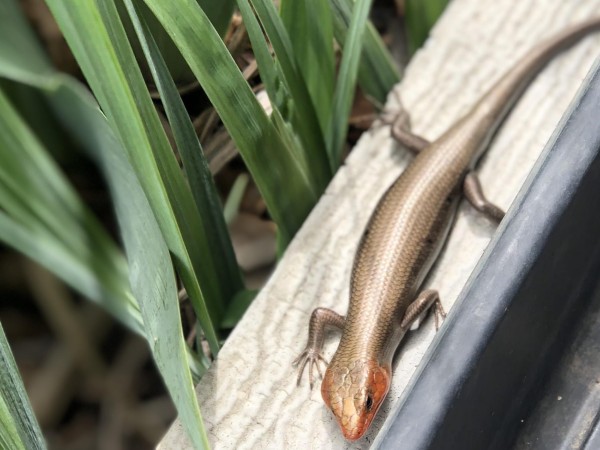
(369,403)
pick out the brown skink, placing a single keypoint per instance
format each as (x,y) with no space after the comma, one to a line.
(403,238)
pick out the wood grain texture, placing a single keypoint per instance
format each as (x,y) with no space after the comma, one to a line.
(249,398)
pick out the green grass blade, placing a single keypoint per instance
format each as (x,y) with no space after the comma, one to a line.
(52,254)
(419,18)
(18,426)
(288,190)
(309,24)
(34,110)
(34,64)
(219,12)
(234,200)
(50,224)
(160,309)
(41,197)
(37,187)
(9,435)
(152,276)
(97,38)
(377,73)
(151,272)
(272,77)
(267,67)
(178,68)
(195,165)
(305,118)
(346,83)
(153,283)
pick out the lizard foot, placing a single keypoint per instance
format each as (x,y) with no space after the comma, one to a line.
(438,313)
(313,358)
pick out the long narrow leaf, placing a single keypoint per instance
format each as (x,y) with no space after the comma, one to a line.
(420,17)
(39,117)
(288,189)
(346,83)
(151,272)
(194,163)
(283,78)
(37,188)
(51,254)
(96,36)
(219,12)
(271,76)
(309,24)
(34,63)
(18,427)
(50,224)
(266,64)
(178,68)
(9,434)
(306,119)
(153,283)
(160,309)
(377,73)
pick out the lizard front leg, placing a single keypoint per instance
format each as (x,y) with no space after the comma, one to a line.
(311,355)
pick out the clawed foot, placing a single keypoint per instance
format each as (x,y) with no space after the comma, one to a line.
(439,314)
(311,357)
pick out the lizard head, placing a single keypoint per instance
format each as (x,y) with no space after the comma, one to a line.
(354,393)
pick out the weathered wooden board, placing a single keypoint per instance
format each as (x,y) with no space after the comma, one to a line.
(249,398)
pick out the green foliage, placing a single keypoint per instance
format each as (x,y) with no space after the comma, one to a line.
(218,12)
(100,45)
(346,85)
(195,166)
(150,270)
(304,118)
(287,185)
(317,106)
(377,72)
(232,205)
(312,50)
(42,217)
(41,214)
(18,428)
(420,17)
(238,306)
(171,220)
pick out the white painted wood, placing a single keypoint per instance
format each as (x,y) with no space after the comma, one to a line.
(249,398)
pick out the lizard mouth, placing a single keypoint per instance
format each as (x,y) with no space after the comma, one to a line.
(352,435)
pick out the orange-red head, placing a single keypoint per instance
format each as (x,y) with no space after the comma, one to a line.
(354,393)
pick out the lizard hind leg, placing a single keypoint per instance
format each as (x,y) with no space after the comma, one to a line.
(418,309)
(401,132)
(474,194)
(400,127)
